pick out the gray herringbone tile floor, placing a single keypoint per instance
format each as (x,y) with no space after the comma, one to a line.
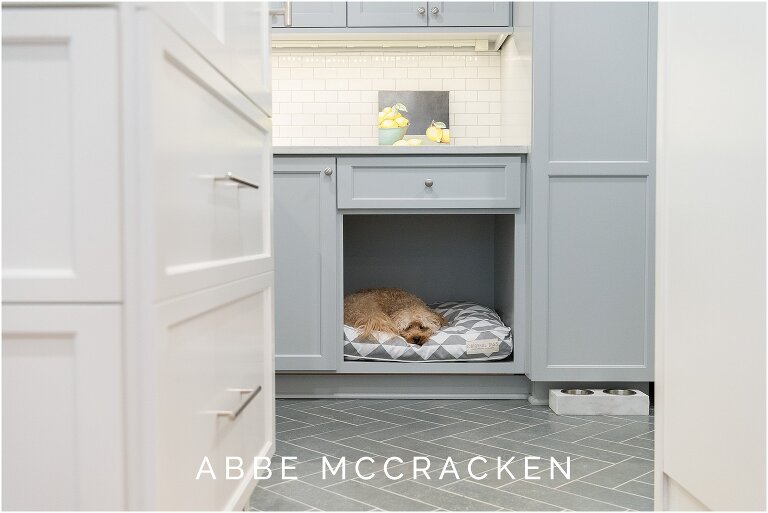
(611,457)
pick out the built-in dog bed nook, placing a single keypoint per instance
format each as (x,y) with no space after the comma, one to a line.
(474,333)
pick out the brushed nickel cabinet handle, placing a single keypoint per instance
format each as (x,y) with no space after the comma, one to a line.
(328,171)
(232,178)
(429,182)
(435,11)
(421,10)
(232,415)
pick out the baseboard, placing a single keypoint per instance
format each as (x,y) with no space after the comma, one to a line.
(402,386)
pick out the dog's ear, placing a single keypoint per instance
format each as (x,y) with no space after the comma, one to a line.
(402,319)
(432,320)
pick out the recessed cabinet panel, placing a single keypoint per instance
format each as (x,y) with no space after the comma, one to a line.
(598,88)
(61,237)
(469,14)
(62,408)
(387,14)
(312,14)
(305,276)
(598,299)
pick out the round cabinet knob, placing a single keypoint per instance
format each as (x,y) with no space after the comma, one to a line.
(435,11)
(429,182)
(328,171)
(421,10)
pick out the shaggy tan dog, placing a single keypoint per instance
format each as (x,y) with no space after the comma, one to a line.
(392,311)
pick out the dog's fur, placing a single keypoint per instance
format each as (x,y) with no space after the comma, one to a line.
(392,311)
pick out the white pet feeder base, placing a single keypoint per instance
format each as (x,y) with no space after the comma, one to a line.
(592,401)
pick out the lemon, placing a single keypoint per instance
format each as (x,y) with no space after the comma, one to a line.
(434,134)
(414,142)
(381,117)
(401,121)
(401,142)
(446,138)
(387,110)
(392,114)
(388,123)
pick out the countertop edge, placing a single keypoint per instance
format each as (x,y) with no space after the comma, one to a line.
(398,150)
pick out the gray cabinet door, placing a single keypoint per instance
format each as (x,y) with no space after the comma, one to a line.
(592,192)
(312,14)
(469,14)
(387,14)
(305,264)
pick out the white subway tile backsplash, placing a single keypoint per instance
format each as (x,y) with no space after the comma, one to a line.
(331,98)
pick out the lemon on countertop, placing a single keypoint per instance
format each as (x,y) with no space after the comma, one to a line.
(446,138)
(414,142)
(401,142)
(435,131)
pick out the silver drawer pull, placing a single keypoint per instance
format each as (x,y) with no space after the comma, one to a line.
(328,171)
(232,178)
(232,415)
(429,182)
(421,10)
(435,11)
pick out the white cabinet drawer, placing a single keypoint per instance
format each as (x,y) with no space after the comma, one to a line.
(213,347)
(209,230)
(429,182)
(61,167)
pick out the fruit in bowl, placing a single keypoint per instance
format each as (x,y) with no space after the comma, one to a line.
(392,124)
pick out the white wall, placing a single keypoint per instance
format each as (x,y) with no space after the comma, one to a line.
(710,270)
(331,98)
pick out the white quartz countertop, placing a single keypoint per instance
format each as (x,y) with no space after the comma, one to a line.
(400,150)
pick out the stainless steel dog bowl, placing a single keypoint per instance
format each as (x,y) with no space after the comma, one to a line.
(619,391)
(577,391)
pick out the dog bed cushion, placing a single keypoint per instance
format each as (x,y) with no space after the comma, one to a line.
(474,333)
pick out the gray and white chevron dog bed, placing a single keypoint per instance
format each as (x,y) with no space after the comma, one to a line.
(474,333)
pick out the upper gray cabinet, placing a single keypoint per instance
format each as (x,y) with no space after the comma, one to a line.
(592,191)
(387,14)
(469,14)
(312,14)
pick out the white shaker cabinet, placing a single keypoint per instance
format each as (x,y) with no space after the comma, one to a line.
(138,269)
(60,155)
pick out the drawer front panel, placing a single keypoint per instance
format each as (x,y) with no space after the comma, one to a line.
(429,182)
(210,229)
(214,348)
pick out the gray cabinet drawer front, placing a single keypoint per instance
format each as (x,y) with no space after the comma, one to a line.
(457,182)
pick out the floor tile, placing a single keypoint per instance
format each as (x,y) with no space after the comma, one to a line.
(410,429)
(585,430)
(431,449)
(284,424)
(302,416)
(626,450)
(266,500)
(301,453)
(476,448)
(580,467)
(386,416)
(638,488)
(332,448)
(378,497)
(471,415)
(558,498)
(425,415)
(347,430)
(348,472)
(620,473)
(501,499)
(532,432)
(309,404)
(578,449)
(615,497)
(303,432)
(625,432)
(384,449)
(646,478)
(439,498)
(640,442)
(449,430)
(498,429)
(319,498)
(343,415)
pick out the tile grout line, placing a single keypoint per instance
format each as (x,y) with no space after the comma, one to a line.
(595,472)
